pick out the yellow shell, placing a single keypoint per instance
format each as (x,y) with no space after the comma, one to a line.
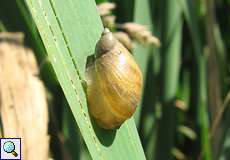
(114,83)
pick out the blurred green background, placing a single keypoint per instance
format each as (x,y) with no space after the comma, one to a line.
(184,111)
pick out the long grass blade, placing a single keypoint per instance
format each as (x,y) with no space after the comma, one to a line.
(199,86)
(171,50)
(70,30)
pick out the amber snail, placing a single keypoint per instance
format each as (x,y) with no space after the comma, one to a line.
(114,83)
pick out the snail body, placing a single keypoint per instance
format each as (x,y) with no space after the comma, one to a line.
(114,83)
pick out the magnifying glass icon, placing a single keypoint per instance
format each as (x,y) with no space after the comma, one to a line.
(9,147)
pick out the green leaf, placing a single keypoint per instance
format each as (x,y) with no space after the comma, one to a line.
(171,37)
(199,96)
(141,54)
(144,116)
(70,30)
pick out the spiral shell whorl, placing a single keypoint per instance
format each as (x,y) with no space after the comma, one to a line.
(106,42)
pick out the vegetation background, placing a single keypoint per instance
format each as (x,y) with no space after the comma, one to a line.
(184,111)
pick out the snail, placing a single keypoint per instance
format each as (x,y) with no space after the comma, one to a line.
(114,83)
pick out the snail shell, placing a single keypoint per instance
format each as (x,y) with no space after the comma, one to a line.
(114,83)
